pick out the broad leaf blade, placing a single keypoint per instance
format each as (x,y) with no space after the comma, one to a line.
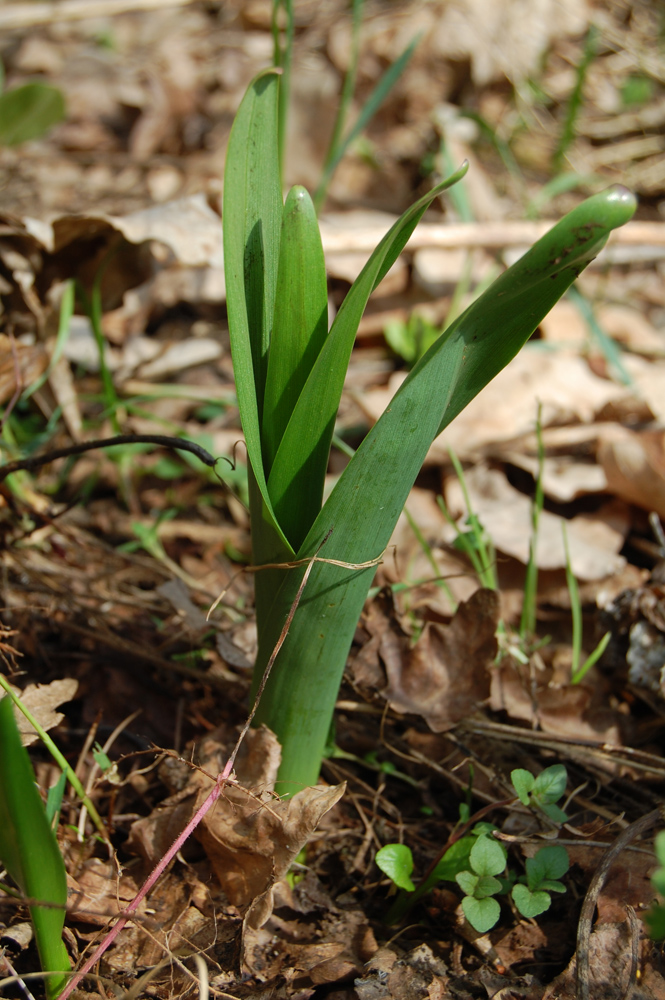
(28,848)
(302,458)
(28,112)
(369,496)
(299,330)
(252,214)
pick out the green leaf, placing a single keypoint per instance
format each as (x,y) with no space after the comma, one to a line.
(487,886)
(302,457)
(252,216)
(551,885)
(54,798)
(658,881)
(529,903)
(523,782)
(468,882)
(555,814)
(550,784)
(28,112)
(29,850)
(299,332)
(488,856)
(455,860)
(550,862)
(396,861)
(482,914)
(659,847)
(364,507)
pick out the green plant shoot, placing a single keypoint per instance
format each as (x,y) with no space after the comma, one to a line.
(30,852)
(289,375)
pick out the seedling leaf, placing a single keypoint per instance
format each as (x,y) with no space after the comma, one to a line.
(549,863)
(455,860)
(550,784)
(487,857)
(28,112)
(482,914)
(529,903)
(523,782)
(468,882)
(396,861)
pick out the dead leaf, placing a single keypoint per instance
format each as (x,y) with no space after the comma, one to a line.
(445,677)
(42,700)
(250,837)
(578,711)
(505,514)
(26,360)
(609,968)
(634,464)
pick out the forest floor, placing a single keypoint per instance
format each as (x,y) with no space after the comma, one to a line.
(111,560)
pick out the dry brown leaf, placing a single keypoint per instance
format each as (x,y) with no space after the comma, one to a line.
(250,837)
(26,360)
(634,464)
(577,711)
(42,700)
(505,514)
(609,969)
(446,675)
(473,27)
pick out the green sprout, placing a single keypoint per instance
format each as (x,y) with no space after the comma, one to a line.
(290,372)
(477,861)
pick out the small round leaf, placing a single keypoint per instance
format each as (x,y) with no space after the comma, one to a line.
(396,861)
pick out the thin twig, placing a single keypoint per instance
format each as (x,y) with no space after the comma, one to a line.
(163,440)
(631,832)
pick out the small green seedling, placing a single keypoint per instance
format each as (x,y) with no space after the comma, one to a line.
(531,894)
(542,793)
(480,885)
(411,339)
(30,852)
(28,112)
(655,918)
(477,862)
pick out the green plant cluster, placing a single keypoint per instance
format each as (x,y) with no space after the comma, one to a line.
(477,862)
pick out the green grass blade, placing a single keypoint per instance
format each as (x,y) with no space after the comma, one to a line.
(364,506)
(346,97)
(296,477)
(283,57)
(576,98)
(301,317)
(29,850)
(372,105)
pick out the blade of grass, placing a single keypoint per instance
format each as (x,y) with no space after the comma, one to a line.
(60,760)
(608,346)
(374,102)
(576,98)
(348,89)
(65,317)
(30,852)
